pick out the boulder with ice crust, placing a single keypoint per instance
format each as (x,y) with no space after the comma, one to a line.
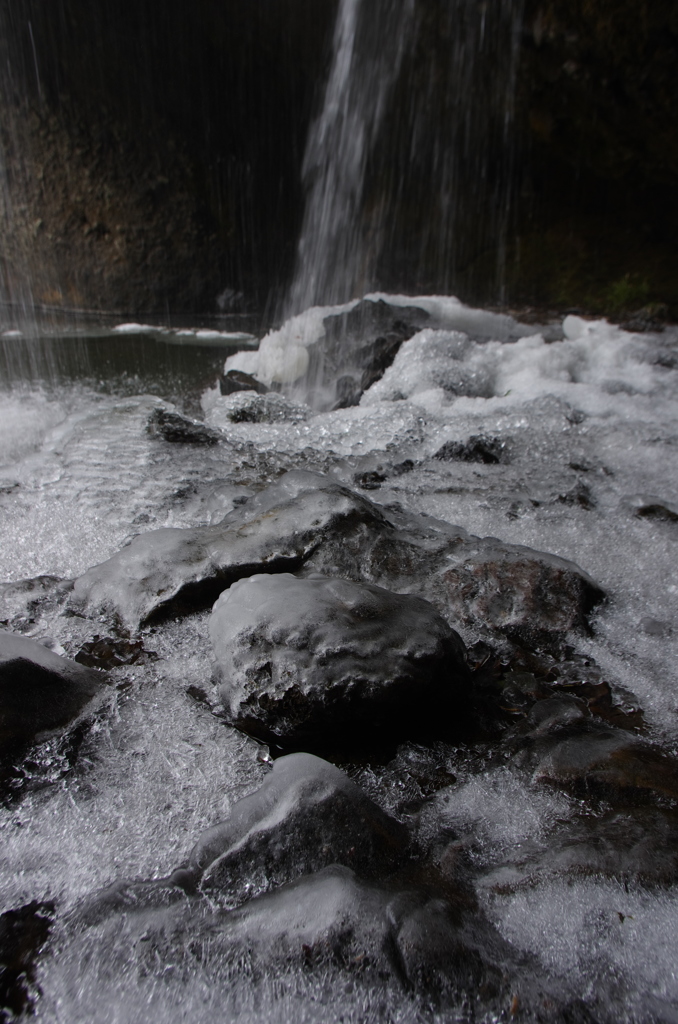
(307,522)
(306,660)
(307,815)
(276,530)
(41,693)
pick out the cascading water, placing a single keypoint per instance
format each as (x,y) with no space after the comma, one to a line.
(336,249)
(409,165)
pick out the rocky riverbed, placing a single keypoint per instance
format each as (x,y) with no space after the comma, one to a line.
(352,701)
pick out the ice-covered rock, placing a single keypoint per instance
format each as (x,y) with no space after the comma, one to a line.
(331,919)
(307,660)
(25,600)
(313,522)
(40,692)
(172,426)
(276,530)
(307,815)
(252,407)
(359,344)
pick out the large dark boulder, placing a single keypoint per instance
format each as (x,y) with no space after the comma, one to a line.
(40,692)
(303,660)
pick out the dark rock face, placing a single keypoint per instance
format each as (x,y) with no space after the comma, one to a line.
(235,380)
(39,692)
(297,660)
(23,932)
(490,450)
(360,345)
(309,521)
(178,429)
(307,815)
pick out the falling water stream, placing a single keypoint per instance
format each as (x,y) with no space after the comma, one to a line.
(585,415)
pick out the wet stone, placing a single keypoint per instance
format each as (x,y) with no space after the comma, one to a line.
(608,762)
(26,600)
(331,919)
(173,427)
(111,652)
(478,448)
(307,815)
(275,530)
(23,933)
(236,380)
(360,344)
(40,692)
(317,659)
(306,521)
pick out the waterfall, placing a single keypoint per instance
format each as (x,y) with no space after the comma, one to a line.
(333,262)
(409,166)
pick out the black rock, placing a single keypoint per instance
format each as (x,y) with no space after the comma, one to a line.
(237,380)
(307,661)
(178,429)
(23,933)
(306,815)
(111,652)
(661,511)
(40,692)
(490,450)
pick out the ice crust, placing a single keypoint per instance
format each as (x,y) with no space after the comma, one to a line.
(595,410)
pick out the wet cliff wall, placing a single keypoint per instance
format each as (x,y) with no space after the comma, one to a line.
(153,157)
(153,151)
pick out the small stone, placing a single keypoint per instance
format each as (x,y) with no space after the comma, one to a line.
(478,448)
(236,380)
(177,429)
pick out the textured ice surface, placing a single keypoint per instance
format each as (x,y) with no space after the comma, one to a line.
(316,656)
(590,422)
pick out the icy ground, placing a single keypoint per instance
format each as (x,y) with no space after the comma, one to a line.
(588,419)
